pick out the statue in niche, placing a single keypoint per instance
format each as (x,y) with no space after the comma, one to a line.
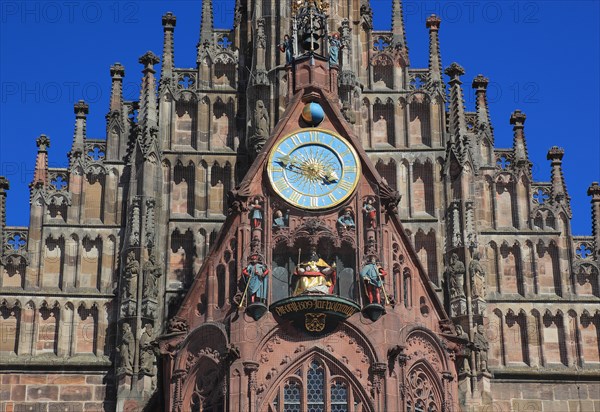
(477,274)
(370,212)
(346,221)
(152,272)
(482,347)
(463,362)
(132,269)
(335,45)
(456,277)
(287,47)
(126,350)
(314,275)
(280,219)
(147,351)
(254,280)
(256,214)
(372,274)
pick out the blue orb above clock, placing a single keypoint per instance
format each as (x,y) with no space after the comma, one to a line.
(313,114)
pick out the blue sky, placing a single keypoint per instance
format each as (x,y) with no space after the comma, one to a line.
(542,57)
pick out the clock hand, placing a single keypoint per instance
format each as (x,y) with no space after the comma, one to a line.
(329,176)
(291,164)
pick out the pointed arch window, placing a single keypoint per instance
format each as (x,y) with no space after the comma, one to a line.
(315,387)
(423,392)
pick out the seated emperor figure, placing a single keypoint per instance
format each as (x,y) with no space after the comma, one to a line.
(314,275)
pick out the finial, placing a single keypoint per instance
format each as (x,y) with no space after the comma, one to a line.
(480,82)
(4,184)
(555,154)
(433,22)
(169,20)
(117,71)
(455,70)
(517,118)
(149,59)
(43,143)
(81,109)
(594,191)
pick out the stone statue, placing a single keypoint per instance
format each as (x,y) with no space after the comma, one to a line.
(260,125)
(261,120)
(477,274)
(287,47)
(132,269)
(279,219)
(481,346)
(334,49)
(370,213)
(256,214)
(346,220)
(152,273)
(126,350)
(372,274)
(255,280)
(314,275)
(147,351)
(461,333)
(456,277)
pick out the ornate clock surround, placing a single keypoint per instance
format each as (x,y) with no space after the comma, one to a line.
(313,169)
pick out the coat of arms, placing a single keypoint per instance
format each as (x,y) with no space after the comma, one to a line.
(314,322)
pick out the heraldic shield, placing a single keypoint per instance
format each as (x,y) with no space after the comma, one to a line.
(314,322)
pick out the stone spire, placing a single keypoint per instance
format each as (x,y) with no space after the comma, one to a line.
(40,174)
(117,72)
(147,115)
(456,117)
(480,84)
(116,119)
(168,57)
(4,186)
(206,29)
(594,192)
(81,110)
(399,34)
(559,188)
(435,59)
(521,158)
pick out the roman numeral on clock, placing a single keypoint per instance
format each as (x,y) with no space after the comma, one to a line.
(345,185)
(281,185)
(295,197)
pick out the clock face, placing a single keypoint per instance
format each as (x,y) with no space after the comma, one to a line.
(313,169)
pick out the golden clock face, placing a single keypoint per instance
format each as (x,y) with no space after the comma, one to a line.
(314,169)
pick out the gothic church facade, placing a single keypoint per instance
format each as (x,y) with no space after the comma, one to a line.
(302,222)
